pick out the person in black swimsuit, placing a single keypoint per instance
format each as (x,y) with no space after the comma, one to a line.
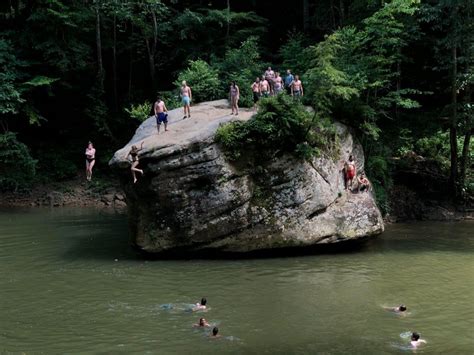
(134,154)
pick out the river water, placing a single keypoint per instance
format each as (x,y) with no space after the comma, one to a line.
(69,283)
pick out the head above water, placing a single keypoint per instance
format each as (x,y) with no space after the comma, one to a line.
(203,301)
(202,321)
(215,330)
(402,307)
(415,336)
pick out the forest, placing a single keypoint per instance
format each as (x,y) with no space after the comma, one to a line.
(399,72)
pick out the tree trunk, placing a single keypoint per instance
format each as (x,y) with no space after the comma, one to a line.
(130,70)
(100,67)
(228,23)
(467,140)
(342,17)
(114,63)
(333,15)
(151,46)
(305,15)
(452,128)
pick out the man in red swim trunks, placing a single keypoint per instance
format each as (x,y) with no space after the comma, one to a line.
(350,172)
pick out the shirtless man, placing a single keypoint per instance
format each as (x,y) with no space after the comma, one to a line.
(255,91)
(297,87)
(264,87)
(270,76)
(363,183)
(186,98)
(161,114)
(278,84)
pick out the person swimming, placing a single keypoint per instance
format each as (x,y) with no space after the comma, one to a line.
(215,333)
(399,309)
(202,323)
(200,306)
(416,341)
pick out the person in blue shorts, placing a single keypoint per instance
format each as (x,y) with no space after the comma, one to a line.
(161,114)
(186,97)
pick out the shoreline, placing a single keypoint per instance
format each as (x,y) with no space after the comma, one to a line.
(103,193)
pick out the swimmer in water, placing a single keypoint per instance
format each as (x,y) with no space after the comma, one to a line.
(400,309)
(202,323)
(416,341)
(214,333)
(200,306)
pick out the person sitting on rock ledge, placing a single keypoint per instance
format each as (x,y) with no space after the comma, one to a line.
(134,168)
(363,182)
(200,306)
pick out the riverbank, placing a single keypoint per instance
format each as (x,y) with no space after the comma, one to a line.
(103,192)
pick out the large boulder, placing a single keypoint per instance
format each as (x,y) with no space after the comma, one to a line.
(192,198)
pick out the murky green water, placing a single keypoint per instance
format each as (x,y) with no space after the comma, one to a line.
(61,291)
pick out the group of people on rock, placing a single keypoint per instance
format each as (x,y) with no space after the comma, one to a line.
(271,83)
(415,339)
(351,182)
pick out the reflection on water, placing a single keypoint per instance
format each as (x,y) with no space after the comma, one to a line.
(69,282)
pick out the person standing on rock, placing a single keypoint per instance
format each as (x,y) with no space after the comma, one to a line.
(90,160)
(270,76)
(264,87)
(161,114)
(256,91)
(134,168)
(186,98)
(297,87)
(234,94)
(350,172)
(288,81)
(278,84)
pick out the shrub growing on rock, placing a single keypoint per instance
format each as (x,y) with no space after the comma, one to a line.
(281,125)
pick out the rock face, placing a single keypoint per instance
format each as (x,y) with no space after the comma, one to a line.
(192,198)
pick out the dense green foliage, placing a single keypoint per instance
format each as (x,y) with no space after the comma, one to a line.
(280,125)
(17,167)
(399,72)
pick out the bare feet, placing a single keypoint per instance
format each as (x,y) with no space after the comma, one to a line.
(134,180)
